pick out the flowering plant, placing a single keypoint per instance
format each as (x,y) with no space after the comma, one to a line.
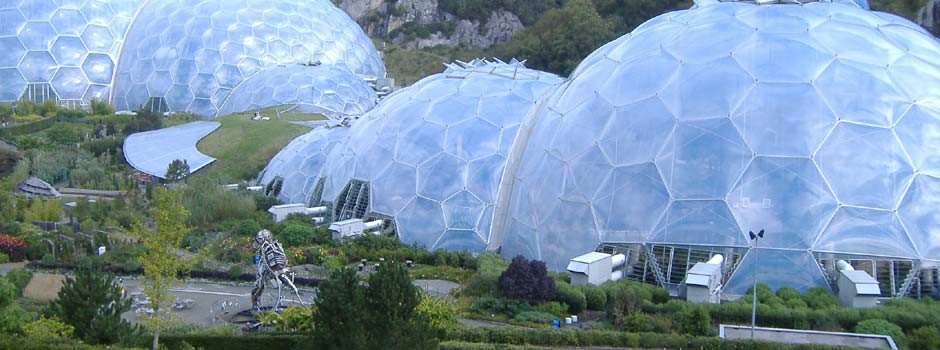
(14,247)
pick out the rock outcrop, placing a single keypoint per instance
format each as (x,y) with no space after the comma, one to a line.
(380,18)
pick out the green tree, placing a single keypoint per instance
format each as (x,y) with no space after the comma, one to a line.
(7,293)
(694,319)
(92,303)
(882,327)
(339,322)
(924,338)
(392,302)
(561,38)
(624,299)
(177,170)
(161,261)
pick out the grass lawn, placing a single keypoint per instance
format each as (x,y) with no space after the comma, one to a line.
(243,146)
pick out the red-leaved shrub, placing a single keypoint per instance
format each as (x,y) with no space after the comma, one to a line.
(14,247)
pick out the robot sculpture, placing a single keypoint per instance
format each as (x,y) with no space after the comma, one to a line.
(272,266)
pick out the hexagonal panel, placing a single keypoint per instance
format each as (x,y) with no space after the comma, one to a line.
(786,197)
(69,83)
(471,139)
(461,240)
(581,127)
(98,68)
(724,80)
(631,200)
(865,166)
(703,159)
(38,66)
(861,93)
(69,51)
(37,36)
(462,211)
(919,213)
(98,39)
(37,10)
(441,176)
(585,174)
(709,41)
(13,51)
(10,21)
(13,84)
(699,223)
(393,188)
(635,133)
(639,79)
(772,57)
(422,221)
(773,113)
(866,232)
(919,133)
(420,143)
(68,22)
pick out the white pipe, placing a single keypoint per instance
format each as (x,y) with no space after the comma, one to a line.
(371,225)
(317,221)
(843,265)
(616,275)
(618,260)
(315,210)
(716,259)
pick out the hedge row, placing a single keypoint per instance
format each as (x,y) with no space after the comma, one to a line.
(909,314)
(27,128)
(228,342)
(727,345)
(553,337)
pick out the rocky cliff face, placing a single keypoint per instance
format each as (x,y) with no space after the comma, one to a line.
(929,16)
(380,18)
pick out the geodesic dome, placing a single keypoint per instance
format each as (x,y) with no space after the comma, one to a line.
(329,90)
(299,165)
(817,122)
(193,54)
(429,158)
(66,51)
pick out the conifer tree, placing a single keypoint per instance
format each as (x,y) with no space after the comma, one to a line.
(93,303)
(339,320)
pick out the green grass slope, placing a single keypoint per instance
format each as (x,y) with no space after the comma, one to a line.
(243,146)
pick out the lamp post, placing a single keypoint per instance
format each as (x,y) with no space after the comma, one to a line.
(754,238)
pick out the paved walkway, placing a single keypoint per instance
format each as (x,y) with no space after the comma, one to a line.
(4,268)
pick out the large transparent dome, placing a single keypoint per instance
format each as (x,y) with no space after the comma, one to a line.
(66,51)
(299,165)
(194,53)
(431,155)
(818,123)
(328,90)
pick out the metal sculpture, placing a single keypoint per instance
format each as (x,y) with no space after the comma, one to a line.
(272,265)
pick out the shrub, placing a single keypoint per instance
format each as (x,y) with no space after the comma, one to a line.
(235,272)
(492,305)
(638,323)
(20,278)
(553,307)
(624,298)
(482,284)
(572,296)
(535,317)
(788,293)
(13,247)
(924,338)
(47,328)
(527,280)
(595,296)
(490,263)
(882,327)
(820,298)
(4,258)
(694,320)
